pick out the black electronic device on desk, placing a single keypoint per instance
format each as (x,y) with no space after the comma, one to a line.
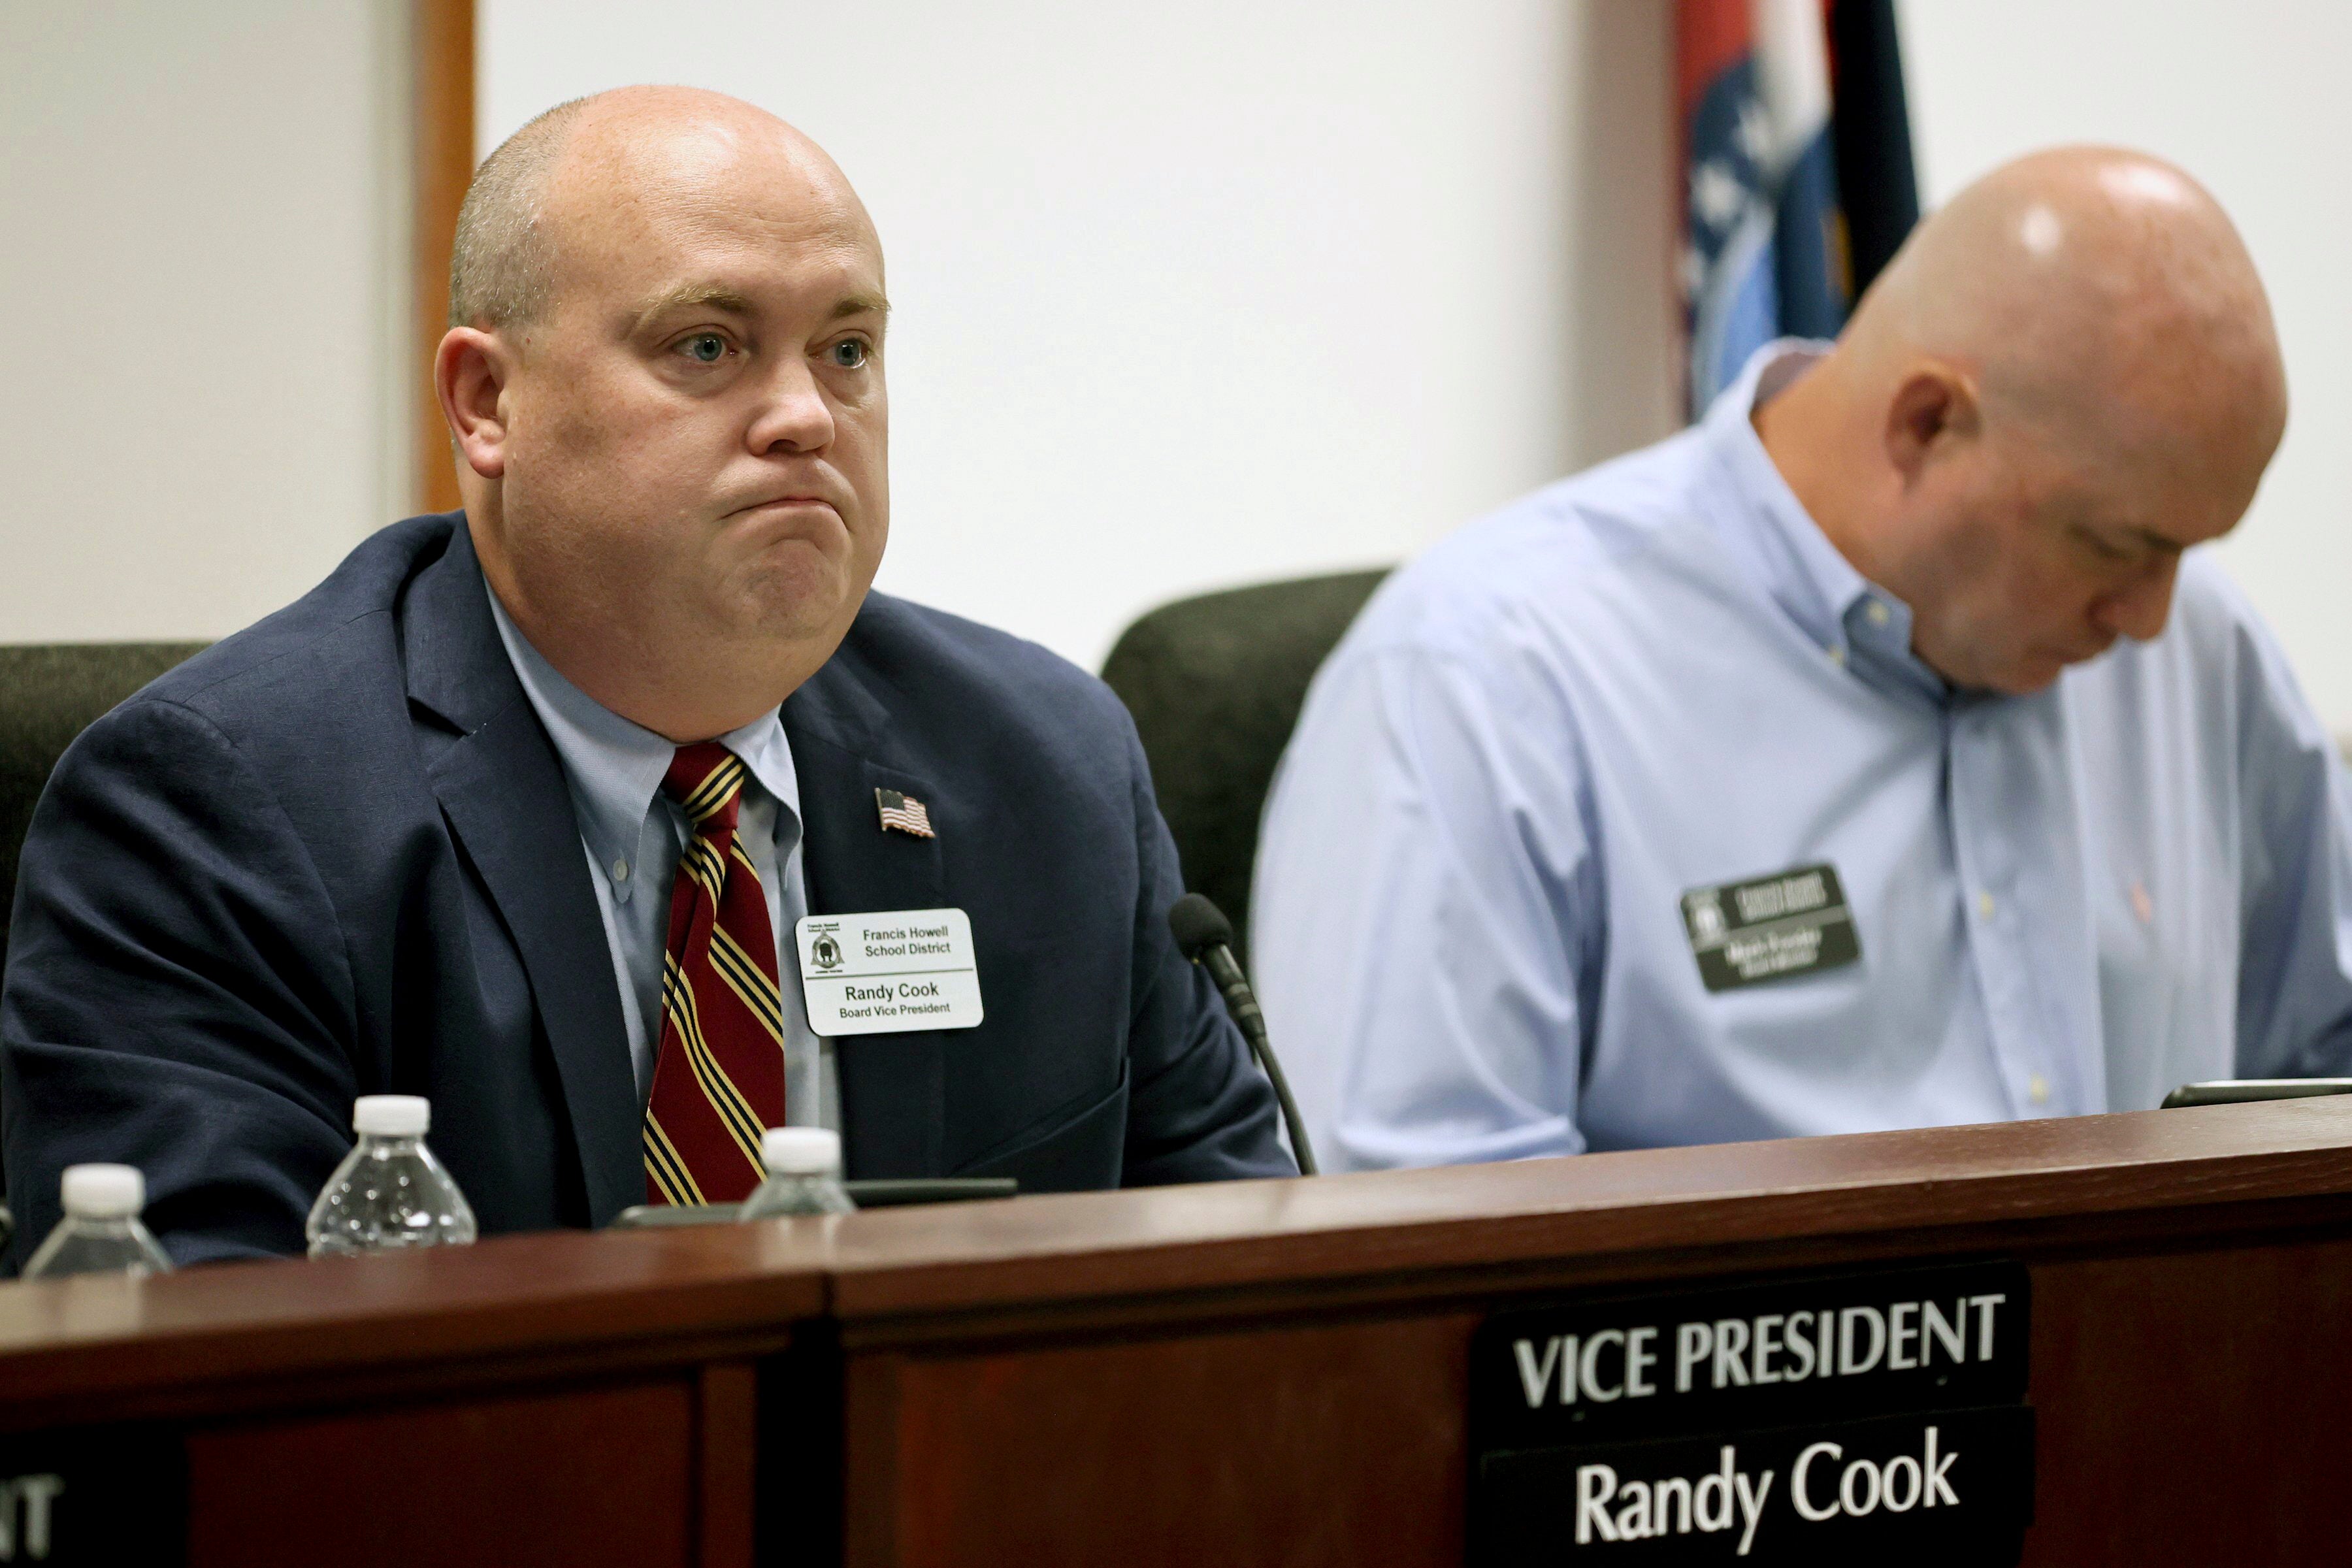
(869,1195)
(2240,1090)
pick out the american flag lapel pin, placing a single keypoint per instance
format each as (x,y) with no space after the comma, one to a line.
(903,812)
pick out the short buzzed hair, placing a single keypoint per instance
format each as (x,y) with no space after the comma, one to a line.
(498,262)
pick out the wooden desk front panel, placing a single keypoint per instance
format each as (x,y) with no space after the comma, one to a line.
(2192,1409)
(655,1474)
(1325,1443)
(2195,1408)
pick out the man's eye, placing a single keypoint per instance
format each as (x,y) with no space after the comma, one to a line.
(849,354)
(2105,550)
(705,348)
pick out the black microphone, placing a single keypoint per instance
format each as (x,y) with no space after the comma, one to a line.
(1203,936)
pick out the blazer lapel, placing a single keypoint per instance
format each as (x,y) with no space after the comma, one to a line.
(893,1087)
(502,790)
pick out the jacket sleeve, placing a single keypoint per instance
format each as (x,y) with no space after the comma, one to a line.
(176,992)
(1198,1108)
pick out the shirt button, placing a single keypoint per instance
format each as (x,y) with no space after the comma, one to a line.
(2037,1088)
(1878,612)
(1985,905)
(620,870)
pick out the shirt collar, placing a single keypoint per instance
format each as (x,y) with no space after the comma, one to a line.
(615,766)
(1842,611)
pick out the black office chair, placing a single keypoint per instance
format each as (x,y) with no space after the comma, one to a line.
(49,694)
(1215,684)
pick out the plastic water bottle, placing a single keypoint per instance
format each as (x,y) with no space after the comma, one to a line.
(804,1174)
(390,1192)
(100,1233)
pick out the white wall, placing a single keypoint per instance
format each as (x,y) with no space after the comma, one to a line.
(194,378)
(1188,295)
(2249,97)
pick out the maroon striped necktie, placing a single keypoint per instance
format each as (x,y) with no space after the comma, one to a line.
(719,1080)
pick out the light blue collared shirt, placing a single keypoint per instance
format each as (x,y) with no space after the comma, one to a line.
(1660,677)
(633,835)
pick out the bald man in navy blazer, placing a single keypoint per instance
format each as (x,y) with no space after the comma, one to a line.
(356,849)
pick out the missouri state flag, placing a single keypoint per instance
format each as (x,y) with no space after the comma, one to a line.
(1797,175)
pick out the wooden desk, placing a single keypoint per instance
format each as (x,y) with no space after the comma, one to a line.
(1262,1372)
(558,1398)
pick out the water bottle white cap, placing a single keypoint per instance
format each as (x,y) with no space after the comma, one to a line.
(391,1115)
(801,1151)
(103,1192)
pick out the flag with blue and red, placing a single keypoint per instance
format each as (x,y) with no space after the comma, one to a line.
(1798,177)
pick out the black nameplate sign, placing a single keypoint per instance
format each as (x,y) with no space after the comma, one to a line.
(1919,1489)
(103,1498)
(1624,1429)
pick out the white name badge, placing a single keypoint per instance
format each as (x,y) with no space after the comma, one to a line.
(882,973)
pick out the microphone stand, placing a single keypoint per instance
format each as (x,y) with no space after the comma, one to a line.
(1206,937)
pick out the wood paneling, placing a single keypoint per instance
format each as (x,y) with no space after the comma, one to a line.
(513,1309)
(727,1418)
(442,166)
(1303,1447)
(1256,1373)
(2192,1407)
(1896,1192)
(1132,1262)
(562,1480)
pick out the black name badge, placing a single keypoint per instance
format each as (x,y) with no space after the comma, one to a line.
(103,1498)
(1794,1421)
(1791,922)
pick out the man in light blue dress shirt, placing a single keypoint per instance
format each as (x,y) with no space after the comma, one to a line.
(1782,779)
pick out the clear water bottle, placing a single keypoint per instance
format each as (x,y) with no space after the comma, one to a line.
(100,1233)
(390,1192)
(804,1174)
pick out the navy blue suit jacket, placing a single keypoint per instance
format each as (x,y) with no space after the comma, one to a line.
(335,855)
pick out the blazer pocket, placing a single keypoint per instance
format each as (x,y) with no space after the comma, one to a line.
(1081,1151)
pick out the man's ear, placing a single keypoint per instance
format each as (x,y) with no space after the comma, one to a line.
(470,371)
(1934,406)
